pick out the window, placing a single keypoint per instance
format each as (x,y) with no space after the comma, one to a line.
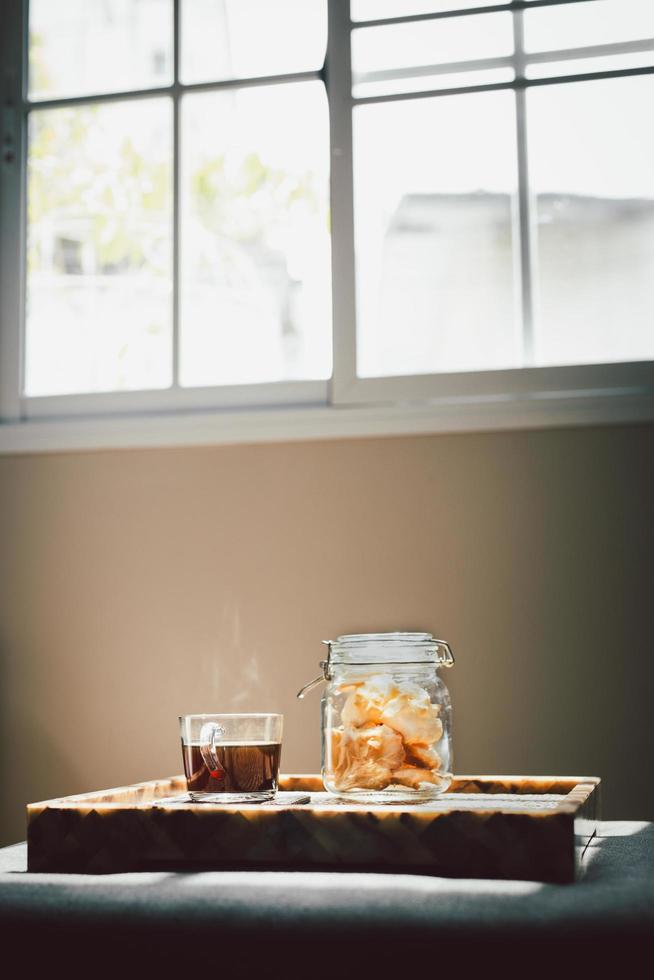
(177,202)
(327,208)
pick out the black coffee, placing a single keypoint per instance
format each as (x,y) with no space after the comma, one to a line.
(247,768)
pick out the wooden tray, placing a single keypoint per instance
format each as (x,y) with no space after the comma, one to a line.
(535,828)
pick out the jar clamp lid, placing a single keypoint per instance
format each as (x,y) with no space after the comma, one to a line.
(382,649)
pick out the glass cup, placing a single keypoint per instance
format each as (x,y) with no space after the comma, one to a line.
(231,758)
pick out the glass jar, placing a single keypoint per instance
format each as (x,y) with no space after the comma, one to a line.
(386,717)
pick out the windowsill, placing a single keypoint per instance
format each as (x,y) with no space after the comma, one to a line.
(279,424)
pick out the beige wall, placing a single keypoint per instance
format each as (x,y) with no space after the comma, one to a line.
(138,585)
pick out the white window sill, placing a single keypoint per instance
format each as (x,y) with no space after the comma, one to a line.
(221,427)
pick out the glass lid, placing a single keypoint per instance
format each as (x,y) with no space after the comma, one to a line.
(389,648)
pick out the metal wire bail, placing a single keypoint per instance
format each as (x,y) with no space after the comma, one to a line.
(325,676)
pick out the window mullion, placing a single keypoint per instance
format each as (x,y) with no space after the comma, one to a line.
(338,72)
(502,6)
(590,51)
(176,193)
(526,244)
(445,68)
(13,52)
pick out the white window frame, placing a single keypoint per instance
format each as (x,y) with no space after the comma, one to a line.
(346,405)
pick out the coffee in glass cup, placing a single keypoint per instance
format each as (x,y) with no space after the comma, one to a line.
(231,758)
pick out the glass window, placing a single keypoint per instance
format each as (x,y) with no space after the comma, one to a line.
(403,46)
(592,171)
(99,263)
(224,39)
(178,214)
(256,286)
(576,25)
(87,47)
(434,184)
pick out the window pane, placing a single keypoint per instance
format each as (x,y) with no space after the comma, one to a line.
(83,47)
(248,38)
(376,9)
(376,49)
(99,248)
(592,167)
(256,282)
(578,24)
(434,184)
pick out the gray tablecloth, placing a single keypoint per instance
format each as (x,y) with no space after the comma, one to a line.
(334,924)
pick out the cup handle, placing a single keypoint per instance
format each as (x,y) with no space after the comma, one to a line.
(210,734)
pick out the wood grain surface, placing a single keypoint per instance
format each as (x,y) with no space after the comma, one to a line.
(525,827)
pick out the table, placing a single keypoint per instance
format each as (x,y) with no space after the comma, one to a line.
(336,924)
